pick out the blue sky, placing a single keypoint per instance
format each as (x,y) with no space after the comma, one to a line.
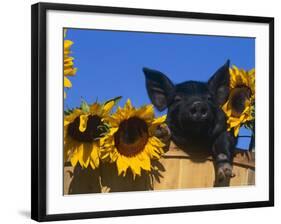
(110,62)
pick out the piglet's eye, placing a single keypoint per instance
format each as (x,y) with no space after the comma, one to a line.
(177,98)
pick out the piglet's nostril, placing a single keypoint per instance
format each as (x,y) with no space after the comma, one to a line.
(193,110)
(198,111)
(204,111)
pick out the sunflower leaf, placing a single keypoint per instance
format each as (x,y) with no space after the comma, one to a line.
(103,134)
(85,107)
(115,99)
(250,125)
(66,112)
(102,128)
(107,125)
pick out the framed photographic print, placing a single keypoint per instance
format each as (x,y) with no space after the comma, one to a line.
(139,111)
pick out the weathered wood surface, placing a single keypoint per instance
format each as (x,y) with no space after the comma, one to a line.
(194,172)
(175,170)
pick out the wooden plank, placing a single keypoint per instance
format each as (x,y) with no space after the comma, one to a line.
(251,177)
(111,182)
(194,174)
(175,170)
(81,181)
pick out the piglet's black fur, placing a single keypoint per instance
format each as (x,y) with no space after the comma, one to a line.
(195,117)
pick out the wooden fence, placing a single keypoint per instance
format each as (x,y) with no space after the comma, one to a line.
(175,170)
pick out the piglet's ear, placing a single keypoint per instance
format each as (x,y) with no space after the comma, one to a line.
(159,87)
(219,83)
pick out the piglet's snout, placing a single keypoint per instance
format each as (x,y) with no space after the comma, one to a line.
(198,111)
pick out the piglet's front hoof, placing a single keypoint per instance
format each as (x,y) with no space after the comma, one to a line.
(164,134)
(224,172)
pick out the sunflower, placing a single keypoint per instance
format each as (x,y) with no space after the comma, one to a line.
(131,141)
(240,105)
(83,129)
(68,65)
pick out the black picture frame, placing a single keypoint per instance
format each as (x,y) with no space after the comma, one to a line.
(39,122)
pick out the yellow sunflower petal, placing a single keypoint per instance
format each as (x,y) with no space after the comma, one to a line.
(226,110)
(74,159)
(83,123)
(234,122)
(128,109)
(80,153)
(156,142)
(236,130)
(66,82)
(235,69)
(145,164)
(95,156)
(153,152)
(69,71)
(108,107)
(65,122)
(159,120)
(94,108)
(146,113)
(135,166)
(122,166)
(77,156)
(87,150)
(114,156)
(67,43)
(93,165)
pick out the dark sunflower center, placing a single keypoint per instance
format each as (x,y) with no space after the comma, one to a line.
(238,98)
(90,134)
(131,137)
